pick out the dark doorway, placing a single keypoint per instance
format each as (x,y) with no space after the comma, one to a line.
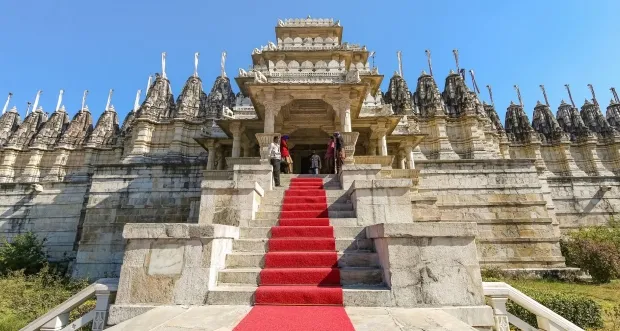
(301,157)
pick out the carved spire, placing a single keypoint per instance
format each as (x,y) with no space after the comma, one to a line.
(399,96)
(196,55)
(6,104)
(26,131)
(106,130)
(427,97)
(457,96)
(613,114)
(493,116)
(192,102)
(546,125)
(9,122)
(80,127)
(542,87)
(428,59)
(571,122)
(221,95)
(518,128)
(595,121)
(52,129)
(159,101)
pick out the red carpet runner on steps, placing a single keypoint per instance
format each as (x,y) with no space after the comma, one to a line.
(300,284)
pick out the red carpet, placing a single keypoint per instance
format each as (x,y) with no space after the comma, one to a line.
(296,318)
(300,284)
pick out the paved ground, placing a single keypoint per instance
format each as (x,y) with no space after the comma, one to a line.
(225,318)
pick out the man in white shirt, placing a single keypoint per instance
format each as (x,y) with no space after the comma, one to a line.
(274,159)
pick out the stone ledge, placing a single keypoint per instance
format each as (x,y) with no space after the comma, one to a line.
(229,184)
(422,230)
(178,231)
(481,161)
(382,183)
(357,167)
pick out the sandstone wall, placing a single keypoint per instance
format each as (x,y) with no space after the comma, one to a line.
(121,194)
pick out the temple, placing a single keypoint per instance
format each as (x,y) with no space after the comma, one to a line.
(420,163)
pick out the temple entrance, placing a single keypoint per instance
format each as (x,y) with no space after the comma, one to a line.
(301,157)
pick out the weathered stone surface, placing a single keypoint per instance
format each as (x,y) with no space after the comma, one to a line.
(399,96)
(546,125)
(221,96)
(9,122)
(26,131)
(81,126)
(166,259)
(192,102)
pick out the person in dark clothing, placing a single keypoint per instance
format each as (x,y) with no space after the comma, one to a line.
(340,155)
(315,163)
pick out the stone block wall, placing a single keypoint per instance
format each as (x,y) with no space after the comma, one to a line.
(53,214)
(121,194)
(504,197)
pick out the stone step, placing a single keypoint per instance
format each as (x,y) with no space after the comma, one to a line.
(330,207)
(345,259)
(324,176)
(348,276)
(331,214)
(332,222)
(355,296)
(278,193)
(358,232)
(342,245)
(272,200)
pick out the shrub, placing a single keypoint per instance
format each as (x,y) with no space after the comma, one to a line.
(582,311)
(595,250)
(26,252)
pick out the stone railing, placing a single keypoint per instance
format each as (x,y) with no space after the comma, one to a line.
(498,294)
(58,318)
(232,161)
(385,161)
(413,174)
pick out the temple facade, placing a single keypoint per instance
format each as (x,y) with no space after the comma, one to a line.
(77,182)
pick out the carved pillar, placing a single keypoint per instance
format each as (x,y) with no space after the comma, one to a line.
(341,104)
(31,170)
(176,146)
(6,167)
(382,142)
(402,159)
(408,147)
(56,172)
(247,149)
(236,130)
(211,146)
(221,158)
(372,146)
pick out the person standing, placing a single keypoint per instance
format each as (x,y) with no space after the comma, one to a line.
(274,159)
(340,155)
(329,156)
(286,155)
(315,163)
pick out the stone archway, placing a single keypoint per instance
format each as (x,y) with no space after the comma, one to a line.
(301,144)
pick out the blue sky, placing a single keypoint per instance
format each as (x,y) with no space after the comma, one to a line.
(98,45)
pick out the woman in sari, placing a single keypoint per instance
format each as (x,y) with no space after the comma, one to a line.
(340,155)
(286,155)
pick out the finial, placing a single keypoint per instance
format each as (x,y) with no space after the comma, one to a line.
(473,81)
(59,99)
(223,65)
(428,59)
(36,101)
(372,55)
(519,95)
(423,73)
(399,54)
(6,104)
(84,100)
(451,72)
(491,95)
(28,108)
(196,55)
(593,95)
(163,65)
(136,104)
(148,85)
(613,91)
(570,96)
(456,59)
(542,87)
(107,105)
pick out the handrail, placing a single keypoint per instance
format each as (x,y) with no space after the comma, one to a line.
(499,293)
(58,317)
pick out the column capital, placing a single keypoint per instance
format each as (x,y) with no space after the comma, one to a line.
(338,102)
(236,128)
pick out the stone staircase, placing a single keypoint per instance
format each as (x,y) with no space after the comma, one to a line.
(360,271)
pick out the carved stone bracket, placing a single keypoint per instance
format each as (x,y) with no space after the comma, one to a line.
(350,140)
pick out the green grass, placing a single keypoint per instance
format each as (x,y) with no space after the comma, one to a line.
(607,295)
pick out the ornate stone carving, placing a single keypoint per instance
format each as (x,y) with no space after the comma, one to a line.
(106,131)
(9,122)
(128,124)
(192,102)
(518,128)
(221,95)
(546,125)
(81,126)
(613,115)
(492,115)
(457,97)
(51,130)
(399,96)
(26,131)
(159,102)
(353,77)
(595,121)
(259,77)
(571,122)
(427,96)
